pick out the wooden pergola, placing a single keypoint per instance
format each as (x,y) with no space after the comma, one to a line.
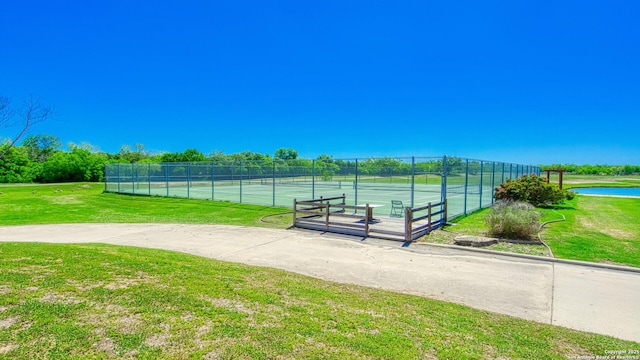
(559,171)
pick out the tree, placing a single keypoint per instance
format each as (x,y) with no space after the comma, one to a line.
(40,147)
(79,164)
(15,166)
(189,155)
(30,113)
(326,167)
(286,154)
(132,156)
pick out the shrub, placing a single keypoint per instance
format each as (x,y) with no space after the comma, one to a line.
(513,220)
(532,189)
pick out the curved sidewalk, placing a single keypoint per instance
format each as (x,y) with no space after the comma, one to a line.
(597,300)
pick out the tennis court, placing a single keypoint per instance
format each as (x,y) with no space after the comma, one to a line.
(466,184)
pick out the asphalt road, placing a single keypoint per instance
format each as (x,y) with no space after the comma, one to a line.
(599,300)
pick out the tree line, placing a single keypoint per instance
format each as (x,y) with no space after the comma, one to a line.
(39,158)
(596,169)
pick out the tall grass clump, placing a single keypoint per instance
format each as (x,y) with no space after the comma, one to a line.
(513,220)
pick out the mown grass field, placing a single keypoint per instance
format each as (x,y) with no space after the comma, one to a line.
(597,229)
(86,203)
(99,301)
(102,301)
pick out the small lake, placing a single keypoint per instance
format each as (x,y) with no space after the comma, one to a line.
(608,191)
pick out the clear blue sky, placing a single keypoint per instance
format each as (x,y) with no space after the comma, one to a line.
(522,81)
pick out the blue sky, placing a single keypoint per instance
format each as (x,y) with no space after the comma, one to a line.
(520,81)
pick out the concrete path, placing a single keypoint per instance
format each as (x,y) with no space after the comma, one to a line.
(581,297)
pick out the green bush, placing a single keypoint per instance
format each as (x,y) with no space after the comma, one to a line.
(513,220)
(532,189)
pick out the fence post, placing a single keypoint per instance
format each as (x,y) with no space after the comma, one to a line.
(166,177)
(188,180)
(273,183)
(366,220)
(149,177)
(133,180)
(408,223)
(118,174)
(328,211)
(213,180)
(446,207)
(443,179)
(481,181)
(240,181)
(502,178)
(295,204)
(313,179)
(355,186)
(493,182)
(413,179)
(428,218)
(466,183)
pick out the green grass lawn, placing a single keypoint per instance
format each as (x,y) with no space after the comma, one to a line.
(99,301)
(597,229)
(82,203)
(102,301)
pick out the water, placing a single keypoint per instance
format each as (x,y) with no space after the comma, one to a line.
(608,191)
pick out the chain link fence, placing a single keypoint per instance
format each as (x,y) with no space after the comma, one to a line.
(466,184)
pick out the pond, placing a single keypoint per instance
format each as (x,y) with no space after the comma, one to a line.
(621,191)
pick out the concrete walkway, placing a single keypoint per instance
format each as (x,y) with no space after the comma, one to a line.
(581,297)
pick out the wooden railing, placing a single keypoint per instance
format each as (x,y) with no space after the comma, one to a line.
(322,212)
(412,232)
(333,215)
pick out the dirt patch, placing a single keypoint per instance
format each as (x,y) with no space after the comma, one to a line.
(4,349)
(4,289)
(231,305)
(82,286)
(619,234)
(587,224)
(63,199)
(157,340)
(569,349)
(7,323)
(105,344)
(129,324)
(113,316)
(38,272)
(59,299)
(124,282)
